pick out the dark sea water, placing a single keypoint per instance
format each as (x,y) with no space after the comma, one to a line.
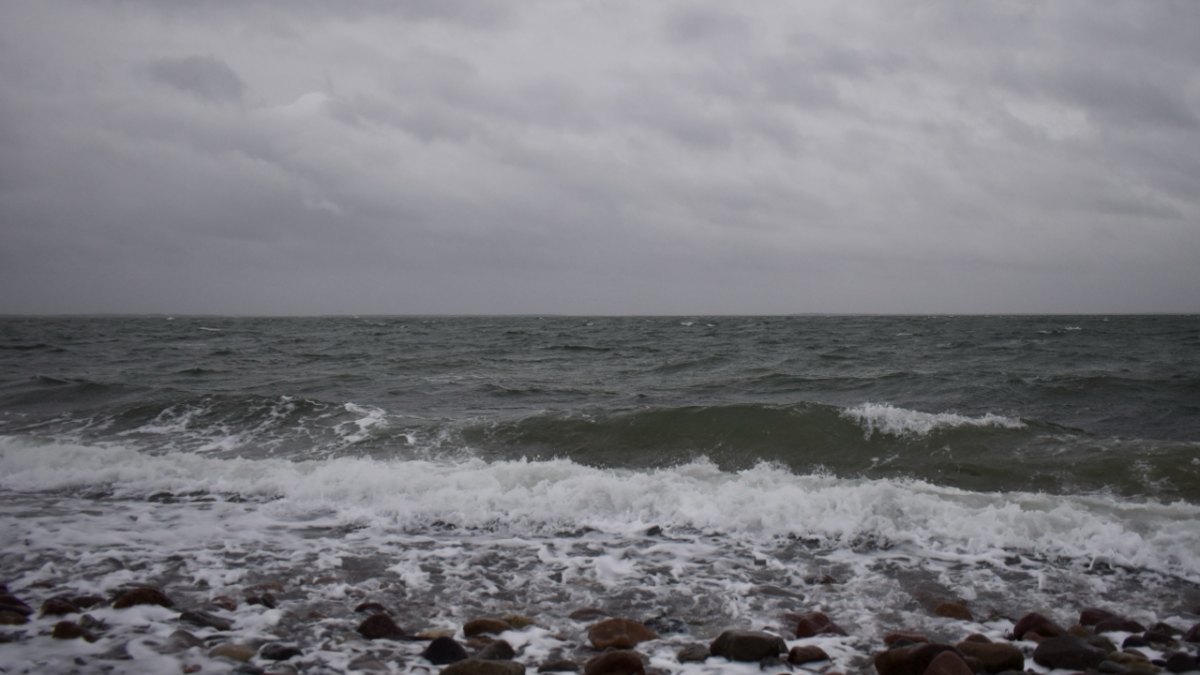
(710,470)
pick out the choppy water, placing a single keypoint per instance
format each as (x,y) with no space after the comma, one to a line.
(714,470)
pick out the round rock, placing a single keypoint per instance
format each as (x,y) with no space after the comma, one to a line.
(615,663)
(747,645)
(380,627)
(478,667)
(444,650)
(145,595)
(1067,652)
(485,626)
(619,633)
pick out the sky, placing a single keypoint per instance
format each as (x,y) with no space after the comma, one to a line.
(296,157)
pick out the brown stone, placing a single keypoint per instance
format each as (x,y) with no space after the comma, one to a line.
(1119,625)
(478,667)
(1094,615)
(1192,634)
(498,650)
(144,595)
(69,630)
(747,645)
(976,637)
(588,614)
(948,663)
(615,663)
(380,627)
(372,607)
(10,618)
(1134,662)
(11,603)
(481,626)
(994,657)
(224,602)
(205,620)
(87,601)
(893,638)
(1067,652)
(559,666)
(1080,631)
(232,651)
(815,623)
(910,660)
(806,654)
(181,640)
(954,610)
(694,653)
(1034,622)
(619,634)
(59,606)
(519,621)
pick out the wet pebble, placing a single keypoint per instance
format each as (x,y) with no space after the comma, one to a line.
(279,651)
(948,663)
(954,610)
(615,663)
(801,654)
(484,626)
(69,630)
(811,624)
(559,666)
(205,620)
(619,633)
(143,595)
(747,645)
(1119,625)
(236,652)
(380,627)
(1068,652)
(499,650)
(182,640)
(1181,662)
(59,606)
(444,650)
(1034,622)
(694,653)
(477,667)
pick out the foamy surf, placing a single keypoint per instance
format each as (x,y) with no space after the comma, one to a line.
(444,541)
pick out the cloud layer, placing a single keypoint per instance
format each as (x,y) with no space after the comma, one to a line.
(269,157)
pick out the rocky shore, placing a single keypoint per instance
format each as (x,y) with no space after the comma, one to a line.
(265,629)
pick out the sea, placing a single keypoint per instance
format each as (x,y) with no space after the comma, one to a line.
(697,473)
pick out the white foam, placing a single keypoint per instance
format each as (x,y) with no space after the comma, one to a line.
(522,497)
(887,419)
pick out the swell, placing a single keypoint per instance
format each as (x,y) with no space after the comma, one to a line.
(982,453)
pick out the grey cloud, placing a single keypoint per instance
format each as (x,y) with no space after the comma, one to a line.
(204,76)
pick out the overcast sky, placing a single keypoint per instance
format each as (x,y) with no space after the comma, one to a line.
(599,157)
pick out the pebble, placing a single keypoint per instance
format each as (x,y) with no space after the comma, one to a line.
(519,621)
(59,606)
(499,650)
(69,630)
(1193,633)
(619,633)
(11,618)
(477,667)
(205,620)
(954,610)
(373,607)
(444,650)
(1094,615)
(232,651)
(815,623)
(806,654)
(913,638)
(1119,625)
(1068,652)
(1036,623)
(910,660)
(615,663)
(747,645)
(1135,662)
(144,595)
(380,627)
(995,657)
(11,603)
(559,666)
(694,653)
(948,663)
(182,640)
(279,651)
(1181,662)
(481,626)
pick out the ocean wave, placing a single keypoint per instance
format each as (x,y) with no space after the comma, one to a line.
(886,419)
(764,502)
